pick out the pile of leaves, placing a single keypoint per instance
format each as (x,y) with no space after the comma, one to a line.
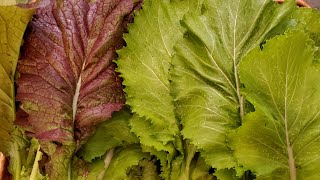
(203,89)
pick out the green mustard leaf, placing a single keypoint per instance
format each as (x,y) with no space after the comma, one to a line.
(165,159)
(31,169)
(181,166)
(13,21)
(308,21)
(226,174)
(146,170)
(122,161)
(11,2)
(108,135)
(95,169)
(200,170)
(281,139)
(151,136)
(28,3)
(205,80)
(144,66)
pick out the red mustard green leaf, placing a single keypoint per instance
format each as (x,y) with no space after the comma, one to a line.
(68,83)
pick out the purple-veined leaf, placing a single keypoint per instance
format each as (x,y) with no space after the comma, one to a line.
(67,81)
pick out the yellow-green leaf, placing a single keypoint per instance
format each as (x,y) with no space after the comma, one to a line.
(13,21)
(281,139)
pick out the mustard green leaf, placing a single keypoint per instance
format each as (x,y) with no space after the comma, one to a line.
(280,140)
(308,21)
(122,161)
(145,170)
(151,135)
(205,81)
(12,2)
(67,83)
(109,134)
(144,66)
(13,22)
(164,158)
(226,174)
(25,3)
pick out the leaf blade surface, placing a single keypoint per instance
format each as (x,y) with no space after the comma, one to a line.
(281,140)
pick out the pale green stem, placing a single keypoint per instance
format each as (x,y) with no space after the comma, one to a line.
(17,161)
(69,171)
(35,167)
(107,162)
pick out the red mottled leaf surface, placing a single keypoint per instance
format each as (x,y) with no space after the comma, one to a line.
(67,81)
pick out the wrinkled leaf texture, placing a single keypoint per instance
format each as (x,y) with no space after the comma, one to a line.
(67,81)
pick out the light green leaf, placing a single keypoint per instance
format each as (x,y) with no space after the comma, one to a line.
(110,134)
(281,139)
(308,20)
(164,157)
(123,160)
(151,135)
(226,174)
(145,62)
(95,169)
(205,74)
(200,170)
(30,169)
(12,2)
(13,21)
(182,165)
(146,170)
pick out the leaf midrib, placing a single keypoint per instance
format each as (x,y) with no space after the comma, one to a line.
(235,65)
(291,160)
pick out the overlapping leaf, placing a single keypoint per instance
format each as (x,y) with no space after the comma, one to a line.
(123,160)
(13,21)
(307,20)
(67,74)
(205,73)
(109,134)
(144,64)
(281,138)
(149,49)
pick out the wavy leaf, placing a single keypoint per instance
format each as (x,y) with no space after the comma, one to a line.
(205,70)
(149,49)
(68,83)
(281,138)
